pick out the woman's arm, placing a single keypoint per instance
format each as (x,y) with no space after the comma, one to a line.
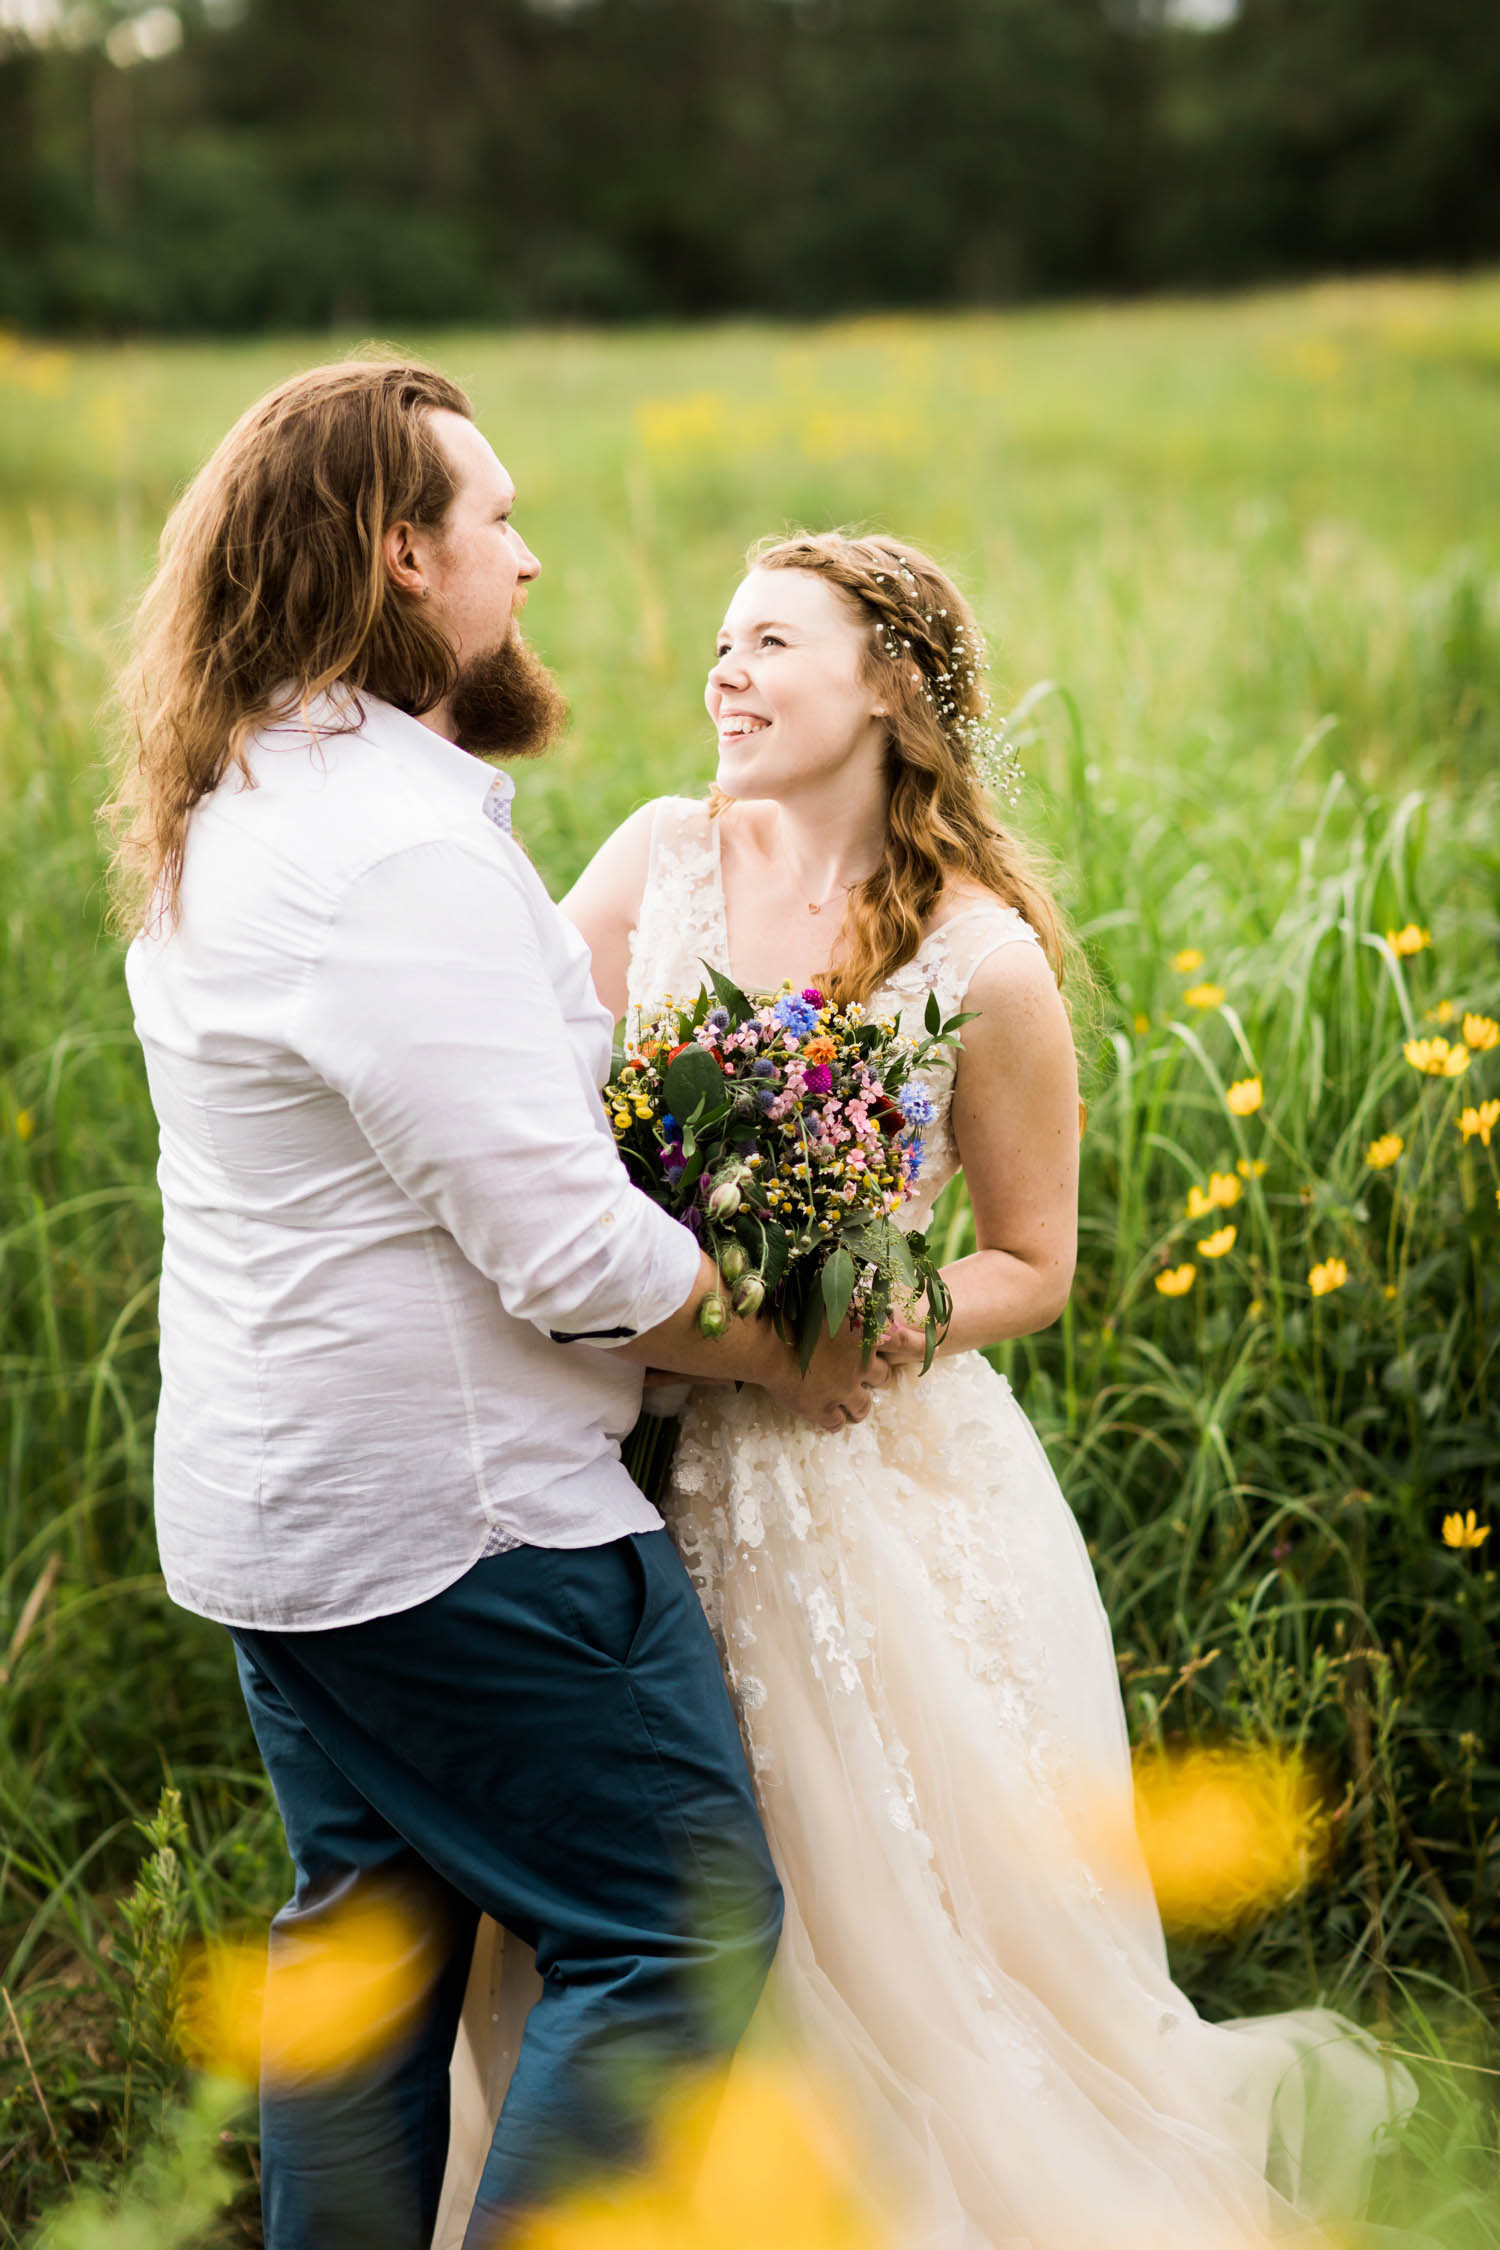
(605,903)
(1015,1123)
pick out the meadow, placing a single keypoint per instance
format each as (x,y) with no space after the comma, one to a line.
(1240,565)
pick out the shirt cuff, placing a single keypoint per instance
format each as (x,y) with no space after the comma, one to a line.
(668,1261)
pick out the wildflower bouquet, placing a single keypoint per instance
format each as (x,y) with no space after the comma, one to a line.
(786,1135)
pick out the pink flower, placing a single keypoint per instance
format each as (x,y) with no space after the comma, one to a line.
(820,1079)
(812,996)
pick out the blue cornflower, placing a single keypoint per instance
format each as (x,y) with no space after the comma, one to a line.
(918,1153)
(670,1126)
(915,1106)
(795,1015)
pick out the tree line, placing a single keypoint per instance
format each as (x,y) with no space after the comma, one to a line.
(237,164)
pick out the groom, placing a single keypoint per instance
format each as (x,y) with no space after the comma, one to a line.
(407,1295)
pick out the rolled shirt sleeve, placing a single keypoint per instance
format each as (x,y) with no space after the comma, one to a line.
(451,1047)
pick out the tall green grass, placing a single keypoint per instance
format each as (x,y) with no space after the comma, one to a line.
(1253,546)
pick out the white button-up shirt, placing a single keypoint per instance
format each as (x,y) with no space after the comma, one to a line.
(375,1050)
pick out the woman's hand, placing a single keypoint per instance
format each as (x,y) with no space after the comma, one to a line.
(902,1345)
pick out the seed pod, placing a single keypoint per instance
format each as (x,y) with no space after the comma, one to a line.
(750,1295)
(732,1262)
(725,1201)
(713,1316)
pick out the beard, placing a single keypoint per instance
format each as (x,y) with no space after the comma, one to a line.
(506,704)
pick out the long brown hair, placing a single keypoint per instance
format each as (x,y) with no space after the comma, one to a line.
(924,656)
(271,588)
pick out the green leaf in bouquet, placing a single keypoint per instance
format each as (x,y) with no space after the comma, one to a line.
(809,1329)
(838,1288)
(729,995)
(930,1354)
(933,1015)
(693,1081)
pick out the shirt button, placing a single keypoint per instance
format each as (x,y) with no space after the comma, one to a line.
(608,1219)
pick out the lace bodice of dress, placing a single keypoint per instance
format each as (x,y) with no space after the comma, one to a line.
(682,925)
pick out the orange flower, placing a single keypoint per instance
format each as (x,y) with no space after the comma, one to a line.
(819,1050)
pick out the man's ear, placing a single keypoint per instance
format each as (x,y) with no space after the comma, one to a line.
(403,561)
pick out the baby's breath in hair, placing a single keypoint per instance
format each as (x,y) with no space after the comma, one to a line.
(955,689)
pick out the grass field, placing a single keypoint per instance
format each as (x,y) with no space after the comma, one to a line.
(1241,566)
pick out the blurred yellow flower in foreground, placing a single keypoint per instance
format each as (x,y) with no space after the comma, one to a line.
(1383,1151)
(335,1997)
(1464,1531)
(1177,1280)
(1218,1245)
(1245,1096)
(25,1124)
(1436,1058)
(1204,995)
(1331,1274)
(1408,941)
(1187,960)
(1482,1121)
(742,2160)
(1227,1834)
(1481,1033)
(1442,1013)
(1252,1167)
(1142,1022)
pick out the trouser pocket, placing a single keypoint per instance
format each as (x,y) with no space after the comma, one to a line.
(604,1593)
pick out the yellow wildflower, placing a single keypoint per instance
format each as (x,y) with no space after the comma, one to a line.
(1177,1280)
(1222,1191)
(1187,960)
(1204,995)
(1391,1292)
(1464,1531)
(1436,1058)
(25,1124)
(1330,1275)
(1218,1245)
(1481,1033)
(1245,1097)
(1442,1013)
(1141,1022)
(1408,941)
(1482,1121)
(1383,1151)
(1252,1167)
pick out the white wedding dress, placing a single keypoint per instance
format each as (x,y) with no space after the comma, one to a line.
(928,1694)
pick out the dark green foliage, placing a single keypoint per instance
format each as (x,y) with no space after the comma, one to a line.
(374,164)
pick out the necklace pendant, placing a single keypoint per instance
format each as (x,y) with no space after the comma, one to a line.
(813,909)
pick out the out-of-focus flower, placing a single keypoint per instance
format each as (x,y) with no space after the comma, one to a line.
(1383,1151)
(1177,1280)
(1481,1033)
(1464,1530)
(1408,941)
(1252,1167)
(340,1991)
(1481,1121)
(1227,1834)
(1244,1097)
(1218,1245)
(1204,996)
(1222,1192)
(1391,1292)
(1330,1275)
(1140,1023)
(1436,1058)
(1187,960)
(1442,1013)
(25,1124)
(739,2160)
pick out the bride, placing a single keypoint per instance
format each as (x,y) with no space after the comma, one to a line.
(905,1608)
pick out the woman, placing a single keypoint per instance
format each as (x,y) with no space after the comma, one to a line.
(906,1609)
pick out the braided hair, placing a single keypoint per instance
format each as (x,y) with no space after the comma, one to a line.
(925,659)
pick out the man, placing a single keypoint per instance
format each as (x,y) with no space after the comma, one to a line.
(397,1235)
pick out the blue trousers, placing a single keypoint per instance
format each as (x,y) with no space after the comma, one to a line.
(549,1741)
